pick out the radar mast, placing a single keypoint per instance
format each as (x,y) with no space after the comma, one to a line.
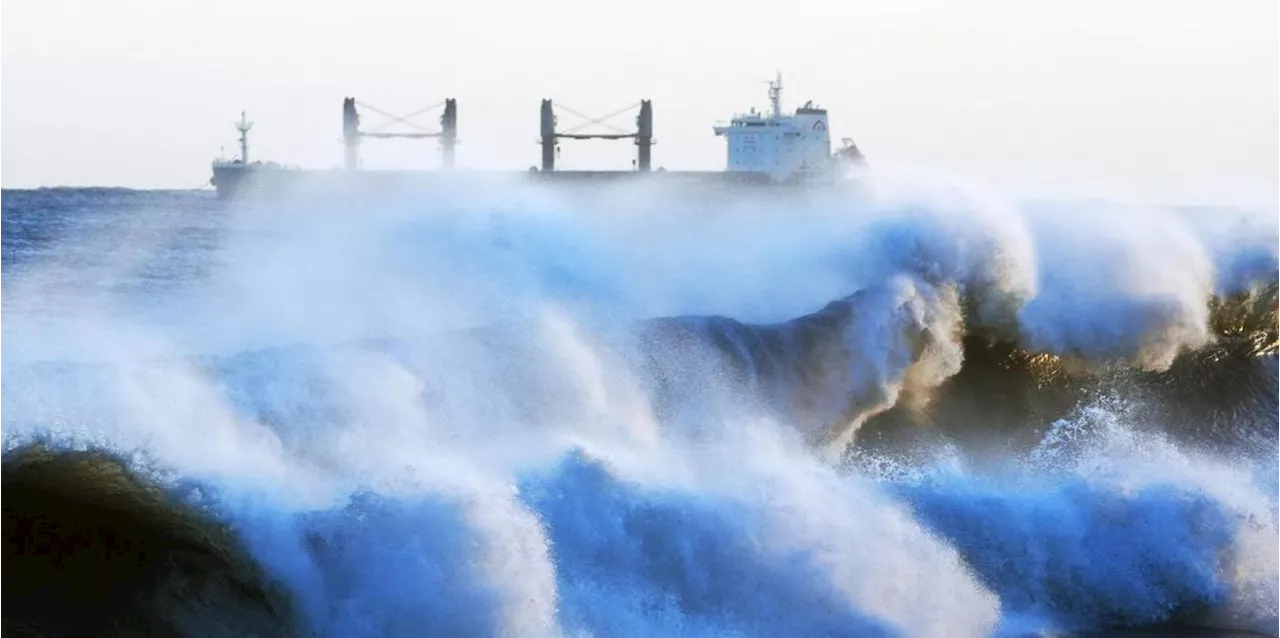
(775,95)
(243,126)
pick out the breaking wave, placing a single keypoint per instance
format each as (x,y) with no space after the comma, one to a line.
(900,410)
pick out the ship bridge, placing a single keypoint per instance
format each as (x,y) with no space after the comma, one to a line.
(780,145)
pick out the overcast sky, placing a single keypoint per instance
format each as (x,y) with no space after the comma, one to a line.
(1153,100)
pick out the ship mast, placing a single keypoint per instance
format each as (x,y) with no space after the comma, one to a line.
(243,126)
(775,95)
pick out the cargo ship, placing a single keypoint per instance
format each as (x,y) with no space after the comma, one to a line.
(769,148)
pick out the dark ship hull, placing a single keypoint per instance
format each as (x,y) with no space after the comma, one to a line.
(234,181)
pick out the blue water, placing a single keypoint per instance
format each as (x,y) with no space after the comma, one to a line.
(428,417)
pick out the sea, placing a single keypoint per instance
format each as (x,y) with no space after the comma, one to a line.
(910,407)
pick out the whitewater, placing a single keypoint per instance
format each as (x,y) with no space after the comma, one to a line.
(909,407)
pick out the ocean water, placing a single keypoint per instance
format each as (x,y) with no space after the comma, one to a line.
(906,409)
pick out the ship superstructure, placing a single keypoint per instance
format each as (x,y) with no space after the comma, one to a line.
(786,147)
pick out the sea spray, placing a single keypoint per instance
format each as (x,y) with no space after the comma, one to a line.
(456,415)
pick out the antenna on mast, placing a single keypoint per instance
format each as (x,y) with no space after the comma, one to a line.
(775,95)
(243,126)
